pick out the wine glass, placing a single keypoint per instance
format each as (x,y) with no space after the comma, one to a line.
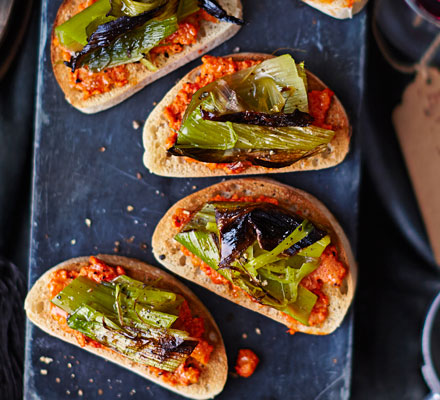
(428,9)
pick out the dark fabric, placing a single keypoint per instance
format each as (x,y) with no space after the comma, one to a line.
(12,292)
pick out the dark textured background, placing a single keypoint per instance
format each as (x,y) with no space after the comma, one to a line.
(396,285)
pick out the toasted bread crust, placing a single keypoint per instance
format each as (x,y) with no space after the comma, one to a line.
(337,8)
(156,132)
(294,199)
(210,36)
(214,374)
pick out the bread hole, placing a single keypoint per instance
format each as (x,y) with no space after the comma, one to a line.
(182,261)
(344,287)
(315,162)
(39,307)
(212,337)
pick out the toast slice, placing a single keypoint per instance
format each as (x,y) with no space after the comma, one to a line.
(210,36)
(340,9)
(156,132)
(293,199)
(214,374)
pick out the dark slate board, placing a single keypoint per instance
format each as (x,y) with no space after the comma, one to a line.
(73,181)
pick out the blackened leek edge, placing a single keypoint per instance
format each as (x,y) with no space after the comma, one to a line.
(261,248)
(129,317)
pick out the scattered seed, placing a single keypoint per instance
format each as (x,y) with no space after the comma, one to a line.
(194,187)
(67,391)
(130,208)
(91,380)
(57,380)
(73,242)
(132,392)
(72,376)
(236,49)
(135,124)
(102,149)
(138,175)
(130,239)
(244,335)
(46,360)
(258,331)
(69,365)
(143,246)
(88,222)
(154,103)
(43,371)
(100,392)
(80,392)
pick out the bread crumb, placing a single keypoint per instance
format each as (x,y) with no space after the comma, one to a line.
(236,49)
(138,175)
(73,242)
(136,124)
(67,391)
(157,192)
(80,392)
(46,360)
(130,208)
(335,360)
(69,365)
(130,239)
(57,380)
(102,149)
(143,246)
(244,335)
(88,222)
(91,380)
(154,103)
(258,331)
(194,187)
(72,376)
(100,392)
(132,392)
(43,371)
(117,247)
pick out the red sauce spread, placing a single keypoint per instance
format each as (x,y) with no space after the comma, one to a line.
(92,83)
(99,271)
(247,362)
(185,35)
(319,104)
(330,270)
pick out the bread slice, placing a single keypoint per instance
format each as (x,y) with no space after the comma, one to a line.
(210,36)
(340,9)
(289,197)
(214,374)
(156,131)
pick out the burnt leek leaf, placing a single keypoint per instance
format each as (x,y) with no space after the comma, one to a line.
(214,9)
(297,118)
(107,33)
(161,349)
(72,33)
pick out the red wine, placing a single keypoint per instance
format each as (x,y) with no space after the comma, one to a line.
(431,6)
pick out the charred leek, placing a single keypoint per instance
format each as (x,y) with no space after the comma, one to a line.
(259,114)
(128,317)
(114,32)
(262,249)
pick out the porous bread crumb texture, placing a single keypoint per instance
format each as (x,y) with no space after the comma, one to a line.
(210,36)
(156,132)
(214,374)
(293,199)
